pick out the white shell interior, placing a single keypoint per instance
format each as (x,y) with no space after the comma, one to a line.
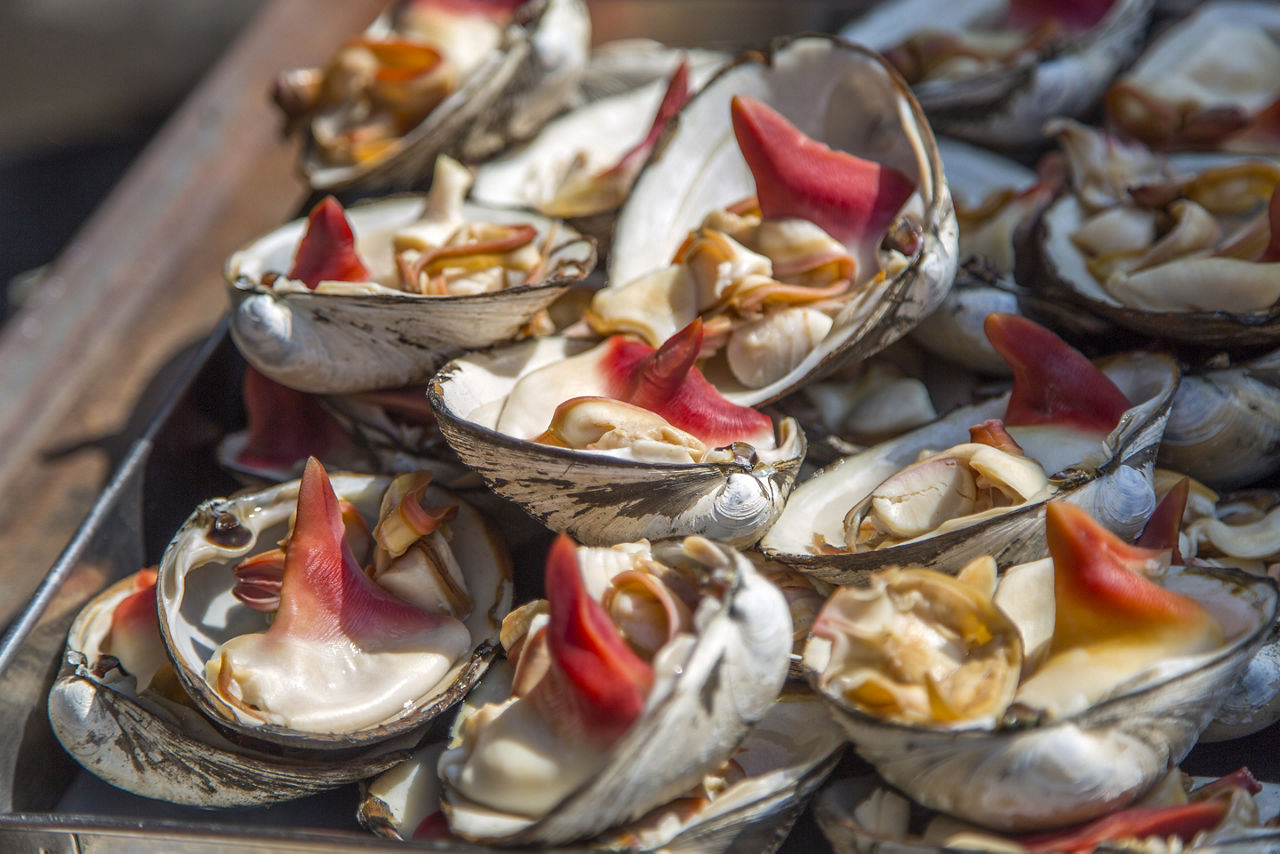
(973,172)
(200,612)
(604,130)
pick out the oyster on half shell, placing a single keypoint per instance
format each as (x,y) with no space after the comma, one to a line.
(220,580)
(1210,81)
(118,710)
(356,336)
(581,165)
(1180,249)
(862,815)
(799,94)
(774,771)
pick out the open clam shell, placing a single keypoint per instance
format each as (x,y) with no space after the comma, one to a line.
(1059,269)
(198,611)
(709,689)
(146,743)
(785,758)
(597,498)
(1008,106)
(526,80)
(1207,82)
(1056,772)
(812,81)
(337,343)
(1116,489)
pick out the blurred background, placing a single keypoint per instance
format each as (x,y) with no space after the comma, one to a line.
(86,83)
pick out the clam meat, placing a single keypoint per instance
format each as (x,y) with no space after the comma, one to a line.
(584,162)
(617,440)
(1205,529)
(117,707)
(1181,250)
(284,428)
(743,805)
(976,481)
(859,815)
(1211,81)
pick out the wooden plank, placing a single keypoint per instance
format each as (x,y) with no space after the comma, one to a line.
(142,281)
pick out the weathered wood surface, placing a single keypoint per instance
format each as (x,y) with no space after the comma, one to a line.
(84,362)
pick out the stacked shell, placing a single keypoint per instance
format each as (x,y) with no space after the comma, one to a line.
(784,223)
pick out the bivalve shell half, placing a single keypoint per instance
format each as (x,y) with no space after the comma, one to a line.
(350,342)
(527,79)
(1058,268)
(1053,772)
(847,98)
(1008,105)
(147,743)
(709,689)
(597,498)
(862,815)
(1115,488)
(199,611)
